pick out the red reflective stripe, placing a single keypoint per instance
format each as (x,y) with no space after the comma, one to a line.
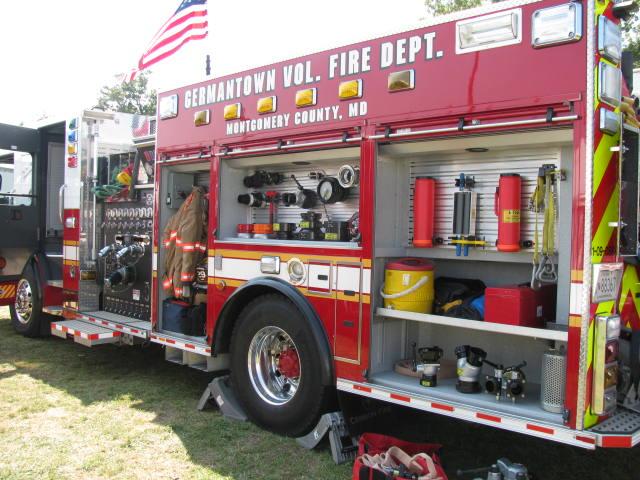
(440,406)
(135,330)
(491,418)
(362,389)
(402,398)
(93,336)
(589,440)
(537,428)
(168,340)
(188,345)
(616,441)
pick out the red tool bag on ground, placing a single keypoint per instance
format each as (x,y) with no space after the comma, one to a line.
(381,457)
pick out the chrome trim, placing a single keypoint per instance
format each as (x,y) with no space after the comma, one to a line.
(534,121)
(179,159)
(288,146)
(61,202)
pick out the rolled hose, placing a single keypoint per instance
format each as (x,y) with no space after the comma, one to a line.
(413,288)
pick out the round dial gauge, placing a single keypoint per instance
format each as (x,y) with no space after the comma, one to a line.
(330,190)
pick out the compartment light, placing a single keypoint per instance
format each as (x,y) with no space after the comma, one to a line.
(607,330)
(350,89)
(489,31)
(555,25)
(73,124)
(609,121)
(73,136)
(267,105)
(72,149)
(306,97)
(399,81)
(168,106)
(609,84)
(203,117)
(609,40)
(232,111)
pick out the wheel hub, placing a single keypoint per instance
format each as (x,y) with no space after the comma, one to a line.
(289,364)
(24,301)
(274,365)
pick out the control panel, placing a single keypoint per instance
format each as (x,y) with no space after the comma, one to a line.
(126,256)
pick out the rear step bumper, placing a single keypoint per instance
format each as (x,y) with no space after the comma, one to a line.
(84,333)
(622,430)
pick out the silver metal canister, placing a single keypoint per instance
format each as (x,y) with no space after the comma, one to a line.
(554,368)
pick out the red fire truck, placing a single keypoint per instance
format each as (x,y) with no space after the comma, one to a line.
(444,218)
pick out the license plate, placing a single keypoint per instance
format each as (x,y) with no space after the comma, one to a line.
(606,282)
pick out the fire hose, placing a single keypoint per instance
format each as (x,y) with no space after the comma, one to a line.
(544,198)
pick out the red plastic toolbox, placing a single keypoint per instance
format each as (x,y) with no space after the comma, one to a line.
(519,305)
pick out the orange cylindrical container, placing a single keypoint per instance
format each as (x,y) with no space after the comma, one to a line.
(507,208)
(424,203)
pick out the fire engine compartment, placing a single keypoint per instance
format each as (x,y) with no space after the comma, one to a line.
(176,183)
(394,332)
(293,223)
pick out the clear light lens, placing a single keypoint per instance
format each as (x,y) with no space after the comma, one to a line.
(169,107)
(610,84)
(613,328)
(609,121)
(295,268)
(559,24)
(609,40)
(490,31)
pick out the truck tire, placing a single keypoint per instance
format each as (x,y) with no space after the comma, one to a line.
(27,316)
(274,365)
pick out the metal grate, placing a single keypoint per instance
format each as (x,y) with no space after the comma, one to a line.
(486,168)
(623,421)
(554,365)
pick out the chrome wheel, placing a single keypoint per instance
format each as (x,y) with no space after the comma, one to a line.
(274,365)
(24,301)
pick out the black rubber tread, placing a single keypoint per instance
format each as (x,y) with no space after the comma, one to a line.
(301,414)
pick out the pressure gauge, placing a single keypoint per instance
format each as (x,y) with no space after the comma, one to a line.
(330,190)
(149,200)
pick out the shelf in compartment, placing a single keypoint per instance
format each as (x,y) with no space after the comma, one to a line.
(540,333)
(527,407)
(288,243)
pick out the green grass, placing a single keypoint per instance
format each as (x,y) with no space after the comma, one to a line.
(67,411)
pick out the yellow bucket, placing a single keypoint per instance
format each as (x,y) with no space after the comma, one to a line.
(409,285)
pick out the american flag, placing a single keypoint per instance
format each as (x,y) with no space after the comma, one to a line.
(189,22)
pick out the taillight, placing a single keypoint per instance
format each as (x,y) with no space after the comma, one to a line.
(605,364)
